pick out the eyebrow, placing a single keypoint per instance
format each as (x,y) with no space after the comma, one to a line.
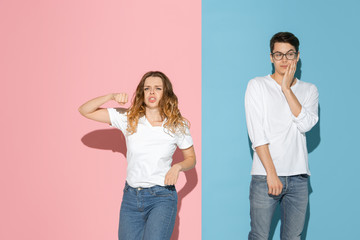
(154,86)
(291,50)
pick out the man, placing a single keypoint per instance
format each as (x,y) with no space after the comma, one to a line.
(280,109)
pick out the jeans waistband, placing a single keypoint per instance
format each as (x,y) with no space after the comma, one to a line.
(168,187)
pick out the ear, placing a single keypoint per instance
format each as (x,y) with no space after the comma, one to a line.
(271,58)
(298,57)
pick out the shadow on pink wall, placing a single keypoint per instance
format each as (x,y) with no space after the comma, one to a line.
(114,140)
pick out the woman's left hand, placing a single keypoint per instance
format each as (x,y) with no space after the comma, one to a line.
(172,175)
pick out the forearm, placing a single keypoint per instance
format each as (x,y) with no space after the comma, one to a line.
(292,101)
(274,184)
(94,104)
(187,164)
(265,158)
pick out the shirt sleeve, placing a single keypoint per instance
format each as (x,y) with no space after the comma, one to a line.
(184,140)
(254,110)
(118,118)
(308,116)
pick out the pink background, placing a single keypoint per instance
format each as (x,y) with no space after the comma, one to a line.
(62,175)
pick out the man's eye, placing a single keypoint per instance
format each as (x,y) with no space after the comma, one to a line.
(278,54)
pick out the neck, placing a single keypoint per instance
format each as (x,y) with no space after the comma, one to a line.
(279,78)
(153,114)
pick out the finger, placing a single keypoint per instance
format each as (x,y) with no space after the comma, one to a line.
(122,99)
(166,179)
(115,97)
(294,67)
(118,97)
(288,70)
(278,192)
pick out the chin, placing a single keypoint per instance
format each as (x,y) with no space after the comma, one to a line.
(152,105)
(282,72)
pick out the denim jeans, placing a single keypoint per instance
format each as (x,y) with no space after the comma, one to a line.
(147,213)
(293,202)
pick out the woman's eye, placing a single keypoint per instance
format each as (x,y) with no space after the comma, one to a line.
(158,89)
(146,89)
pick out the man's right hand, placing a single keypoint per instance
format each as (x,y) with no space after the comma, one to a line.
(274,184)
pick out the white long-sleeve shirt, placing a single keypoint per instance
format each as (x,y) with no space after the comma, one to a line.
(270,121)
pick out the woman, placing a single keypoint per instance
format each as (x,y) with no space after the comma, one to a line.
(153,128)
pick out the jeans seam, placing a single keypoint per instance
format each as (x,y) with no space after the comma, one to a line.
(168,225)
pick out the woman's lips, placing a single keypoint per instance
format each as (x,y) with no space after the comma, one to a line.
(152,99)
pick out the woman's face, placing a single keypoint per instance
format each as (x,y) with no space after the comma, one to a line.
(153,91)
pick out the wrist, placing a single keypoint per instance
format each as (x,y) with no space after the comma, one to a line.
(111,96)
(285,90)
(177,167)
(271,173)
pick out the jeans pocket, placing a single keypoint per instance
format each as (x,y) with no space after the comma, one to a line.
(303,177)
(259,178)
(164,192)
(126,188)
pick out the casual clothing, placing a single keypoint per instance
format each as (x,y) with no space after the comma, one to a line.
(293,204)
(148,209)
(149,150)
(148,213)
(270,121)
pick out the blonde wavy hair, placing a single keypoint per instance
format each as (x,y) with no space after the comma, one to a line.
(168,106)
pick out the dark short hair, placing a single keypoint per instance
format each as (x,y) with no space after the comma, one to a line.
(284,37)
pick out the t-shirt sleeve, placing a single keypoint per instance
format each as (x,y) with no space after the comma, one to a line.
(254,111)
(118,118)
(184,140)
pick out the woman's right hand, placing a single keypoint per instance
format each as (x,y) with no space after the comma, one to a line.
(121,98)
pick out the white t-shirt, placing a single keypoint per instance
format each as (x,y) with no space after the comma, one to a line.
(149,149)
(270,121)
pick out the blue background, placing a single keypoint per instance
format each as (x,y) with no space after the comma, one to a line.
(235,47)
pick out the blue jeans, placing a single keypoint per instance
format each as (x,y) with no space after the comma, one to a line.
(293,202)
(147,213)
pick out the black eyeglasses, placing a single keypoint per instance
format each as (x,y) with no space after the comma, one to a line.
(290,55)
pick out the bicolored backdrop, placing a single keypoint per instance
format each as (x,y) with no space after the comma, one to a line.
(61,175)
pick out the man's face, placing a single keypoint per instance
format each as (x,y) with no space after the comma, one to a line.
(282,55)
